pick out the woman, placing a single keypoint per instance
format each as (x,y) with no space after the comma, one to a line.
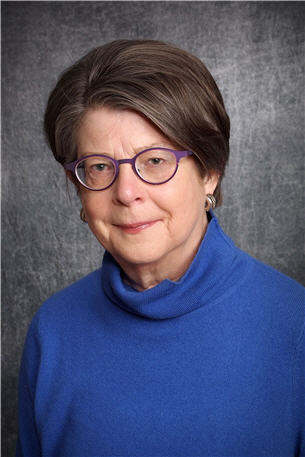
(181,344)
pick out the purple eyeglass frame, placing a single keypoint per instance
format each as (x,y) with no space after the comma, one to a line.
(73,165)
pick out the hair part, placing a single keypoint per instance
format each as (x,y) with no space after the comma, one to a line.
(169,86)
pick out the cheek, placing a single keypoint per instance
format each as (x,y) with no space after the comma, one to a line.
(95,205)
(183,204)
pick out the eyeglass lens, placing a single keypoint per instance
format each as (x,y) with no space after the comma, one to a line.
(96,172)
(153,166)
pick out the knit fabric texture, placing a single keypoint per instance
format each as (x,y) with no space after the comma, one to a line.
(209,366)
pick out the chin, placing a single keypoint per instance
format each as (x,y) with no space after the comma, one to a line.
(138,254)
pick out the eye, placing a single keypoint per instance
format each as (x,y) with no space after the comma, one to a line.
(100,167)
(155,161)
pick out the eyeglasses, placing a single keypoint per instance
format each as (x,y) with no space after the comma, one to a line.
(153,166)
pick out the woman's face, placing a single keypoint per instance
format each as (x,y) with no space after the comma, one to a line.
(140,223)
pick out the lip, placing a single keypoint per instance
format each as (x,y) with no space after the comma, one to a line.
(136,227)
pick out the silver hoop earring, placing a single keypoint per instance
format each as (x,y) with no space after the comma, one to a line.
(82,215)
(210,202)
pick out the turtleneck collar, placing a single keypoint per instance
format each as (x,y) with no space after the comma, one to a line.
(201,283)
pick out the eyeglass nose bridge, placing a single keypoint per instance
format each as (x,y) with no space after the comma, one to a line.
(132,162)
(126,161)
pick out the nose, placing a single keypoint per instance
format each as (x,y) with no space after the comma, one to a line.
(128,187)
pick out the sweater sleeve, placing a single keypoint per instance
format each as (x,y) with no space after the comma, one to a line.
(28,444)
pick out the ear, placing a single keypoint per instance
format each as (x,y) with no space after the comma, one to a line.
(210,182)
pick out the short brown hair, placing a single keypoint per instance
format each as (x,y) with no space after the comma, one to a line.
(168,85)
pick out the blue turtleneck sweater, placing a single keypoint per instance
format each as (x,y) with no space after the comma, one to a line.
(211,365)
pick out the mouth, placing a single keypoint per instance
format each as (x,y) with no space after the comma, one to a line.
(136,227)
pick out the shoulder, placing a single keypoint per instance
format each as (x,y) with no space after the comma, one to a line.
(272,282)
(85,288)
(271,299)
(69,304)
(259,280)
(88,284)
(268,299)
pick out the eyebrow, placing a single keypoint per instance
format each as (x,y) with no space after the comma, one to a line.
(162,144)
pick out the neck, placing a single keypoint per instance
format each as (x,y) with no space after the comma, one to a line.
(146,277)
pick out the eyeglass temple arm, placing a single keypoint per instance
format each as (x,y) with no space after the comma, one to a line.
(70,166)
(180,154)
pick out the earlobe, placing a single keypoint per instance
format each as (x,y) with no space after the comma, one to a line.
(69,175)
(210,202)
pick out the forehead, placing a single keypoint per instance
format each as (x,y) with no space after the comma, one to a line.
(111,130)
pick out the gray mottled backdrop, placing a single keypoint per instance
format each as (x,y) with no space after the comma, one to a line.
(255,50)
